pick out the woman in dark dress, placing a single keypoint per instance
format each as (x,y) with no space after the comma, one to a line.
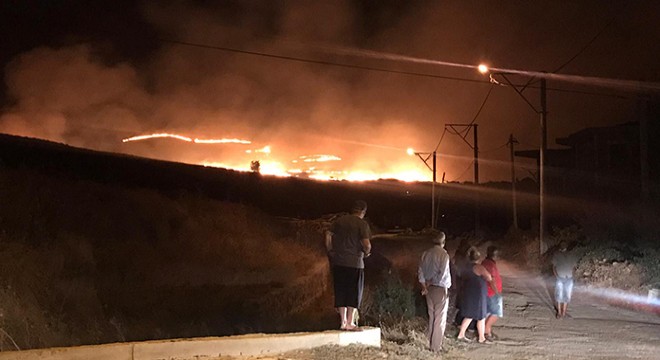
(474,296)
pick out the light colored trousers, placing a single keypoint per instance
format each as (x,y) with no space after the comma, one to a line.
(437,300)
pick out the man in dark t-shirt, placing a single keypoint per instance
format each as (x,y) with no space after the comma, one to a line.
(348,243)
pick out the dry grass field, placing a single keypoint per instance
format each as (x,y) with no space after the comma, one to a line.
(86,263)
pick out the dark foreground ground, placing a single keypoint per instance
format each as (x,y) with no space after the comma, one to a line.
(529,330)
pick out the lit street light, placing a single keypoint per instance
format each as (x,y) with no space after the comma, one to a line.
(432,167)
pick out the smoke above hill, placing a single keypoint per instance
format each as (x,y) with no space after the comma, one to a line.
(362,120)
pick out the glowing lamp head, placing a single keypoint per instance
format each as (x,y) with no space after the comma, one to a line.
(410,151)
(483,68)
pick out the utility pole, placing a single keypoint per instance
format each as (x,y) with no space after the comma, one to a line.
(542,153)
(476,156)
(424,156)
(643,114)
(477,217)
(544,144)
(433,216)
(511,143)
(475,147)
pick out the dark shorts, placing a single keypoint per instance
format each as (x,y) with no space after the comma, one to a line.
(348,284)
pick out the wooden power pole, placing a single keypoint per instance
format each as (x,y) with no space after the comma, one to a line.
(511,143)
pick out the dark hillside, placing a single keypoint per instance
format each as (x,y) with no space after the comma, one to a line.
(98,247)
(86,263)
(392,203)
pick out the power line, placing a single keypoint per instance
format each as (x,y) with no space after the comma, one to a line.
(456,132)
(441,137)
(368,68)
(322,62)
(464,171)
(586,45)
(494,149)
(482,106)
(593,39)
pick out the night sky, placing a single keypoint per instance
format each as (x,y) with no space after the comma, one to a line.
(90,73)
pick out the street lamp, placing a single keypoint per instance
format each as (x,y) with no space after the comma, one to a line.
(425,156)
(484,69)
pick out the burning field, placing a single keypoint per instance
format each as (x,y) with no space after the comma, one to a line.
(276,160)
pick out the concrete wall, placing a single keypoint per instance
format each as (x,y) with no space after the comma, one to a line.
(253,344)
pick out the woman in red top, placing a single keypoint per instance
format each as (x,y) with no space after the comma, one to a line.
(494,304)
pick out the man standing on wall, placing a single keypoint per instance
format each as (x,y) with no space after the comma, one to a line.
(348,243)
(435,278)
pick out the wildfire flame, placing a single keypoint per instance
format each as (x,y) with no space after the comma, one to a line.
(318,158)
(265,150)
(185,138)
(316,166)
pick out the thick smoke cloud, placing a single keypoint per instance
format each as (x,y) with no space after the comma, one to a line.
(72,94)
(67,95)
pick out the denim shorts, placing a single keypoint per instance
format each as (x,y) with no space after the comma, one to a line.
(563,290)
(495,305)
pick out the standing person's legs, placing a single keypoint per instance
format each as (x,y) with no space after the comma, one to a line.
(495,307)
(356,317)
(481,324)
(488,327)
(343,283)
(568,292)
(430,308)
(350,316)
(342,316)
(355,286)
(464,325)
(437,301)
(559,296)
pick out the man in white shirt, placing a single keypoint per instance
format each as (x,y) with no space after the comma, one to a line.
(434,276)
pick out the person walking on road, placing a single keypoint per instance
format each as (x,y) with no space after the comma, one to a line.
(494,303)
(435,277)
(348,243)
(563,265)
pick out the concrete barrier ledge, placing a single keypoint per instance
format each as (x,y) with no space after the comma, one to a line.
(246,345)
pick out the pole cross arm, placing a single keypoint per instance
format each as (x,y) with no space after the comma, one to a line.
(425,160)
(515,88)
(456,132)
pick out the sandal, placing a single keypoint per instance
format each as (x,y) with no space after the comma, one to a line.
(492,336)
(464,339)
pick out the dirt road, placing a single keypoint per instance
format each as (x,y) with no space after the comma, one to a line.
(529,330)
(593,330)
